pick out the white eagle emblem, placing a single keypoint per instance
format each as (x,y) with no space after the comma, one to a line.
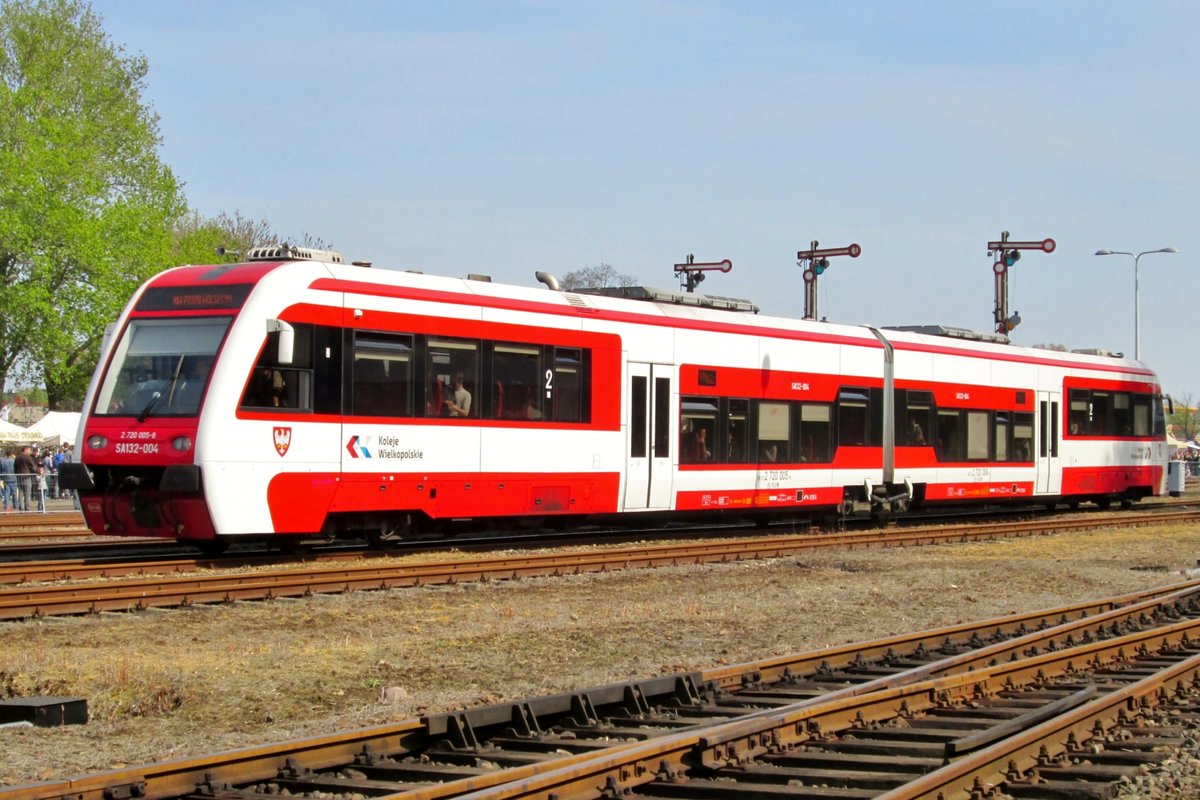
(283,439)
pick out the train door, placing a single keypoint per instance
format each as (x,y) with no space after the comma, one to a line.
(1049,469)
(648,469)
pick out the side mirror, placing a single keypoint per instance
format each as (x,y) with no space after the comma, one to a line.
(287,339)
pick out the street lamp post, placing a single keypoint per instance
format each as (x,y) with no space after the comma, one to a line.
(1137,329)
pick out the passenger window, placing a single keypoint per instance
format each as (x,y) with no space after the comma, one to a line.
(737,426)
(977,435)
(1001,432)
(1122,414)
(774,432)
(382,375)
(452,370)
(816,427)
(697,429)
(1077,413)
(852,417)
(566,386)
(1141,415)
(949,442)
(1100,412)
(1022,436)
(517,391)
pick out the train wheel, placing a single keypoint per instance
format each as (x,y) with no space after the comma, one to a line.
(1103,503)
(880,514)
(1126,503)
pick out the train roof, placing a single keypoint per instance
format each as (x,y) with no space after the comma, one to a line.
(715,312)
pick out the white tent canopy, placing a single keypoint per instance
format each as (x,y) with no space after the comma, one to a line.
(11,435)
(60,425)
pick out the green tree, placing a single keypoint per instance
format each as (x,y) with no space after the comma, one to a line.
(1185,418)
(86,206)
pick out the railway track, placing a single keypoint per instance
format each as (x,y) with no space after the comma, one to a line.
(920,715)
(129,594)
(49,525)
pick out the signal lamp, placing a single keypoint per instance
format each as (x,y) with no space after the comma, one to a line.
(1011,257)
(820,265)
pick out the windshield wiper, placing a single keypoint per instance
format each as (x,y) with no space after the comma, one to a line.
(154,398)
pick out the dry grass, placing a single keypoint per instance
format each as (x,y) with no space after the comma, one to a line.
(165,684)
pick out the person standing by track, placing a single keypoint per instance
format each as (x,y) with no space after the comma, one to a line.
(26,468)
(8,474)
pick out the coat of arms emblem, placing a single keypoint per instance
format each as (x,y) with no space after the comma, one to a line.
(283,439)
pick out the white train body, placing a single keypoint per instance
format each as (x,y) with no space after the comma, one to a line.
(201,425)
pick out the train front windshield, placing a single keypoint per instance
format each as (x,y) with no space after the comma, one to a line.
(160,367)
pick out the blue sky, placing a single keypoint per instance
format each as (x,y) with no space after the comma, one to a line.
(505,138)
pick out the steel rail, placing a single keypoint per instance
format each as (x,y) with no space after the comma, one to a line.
(263,763)
(622,770)
(138,594)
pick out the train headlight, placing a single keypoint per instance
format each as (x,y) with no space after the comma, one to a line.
(97,442)
(182,443)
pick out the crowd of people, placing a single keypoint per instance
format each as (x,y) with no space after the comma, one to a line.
(29,476)
(1190,456)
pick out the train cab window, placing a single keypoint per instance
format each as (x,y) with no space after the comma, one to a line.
(452,372)
(1159,429)
(774,433)
(737,426)
(697,429)
(516,391)
(852,416)
(283,386)
(815,433)
(568,386)
(161,367)
(382,375)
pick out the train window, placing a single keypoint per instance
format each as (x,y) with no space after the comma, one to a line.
(737,425)
(1001,431)
(517,382)
(816,428)
(161,366)
(1122,414)
(949,442)
(697,429)
(1141,414)
(978,435)
(852,416)
(382,375)
(1022,437)
(1101,412)
(567,386)
(914,414)
(275,385)
(1077,412)
(774,432)
(1160,419)
(452,372)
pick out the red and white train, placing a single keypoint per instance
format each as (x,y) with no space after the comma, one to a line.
(295,394)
